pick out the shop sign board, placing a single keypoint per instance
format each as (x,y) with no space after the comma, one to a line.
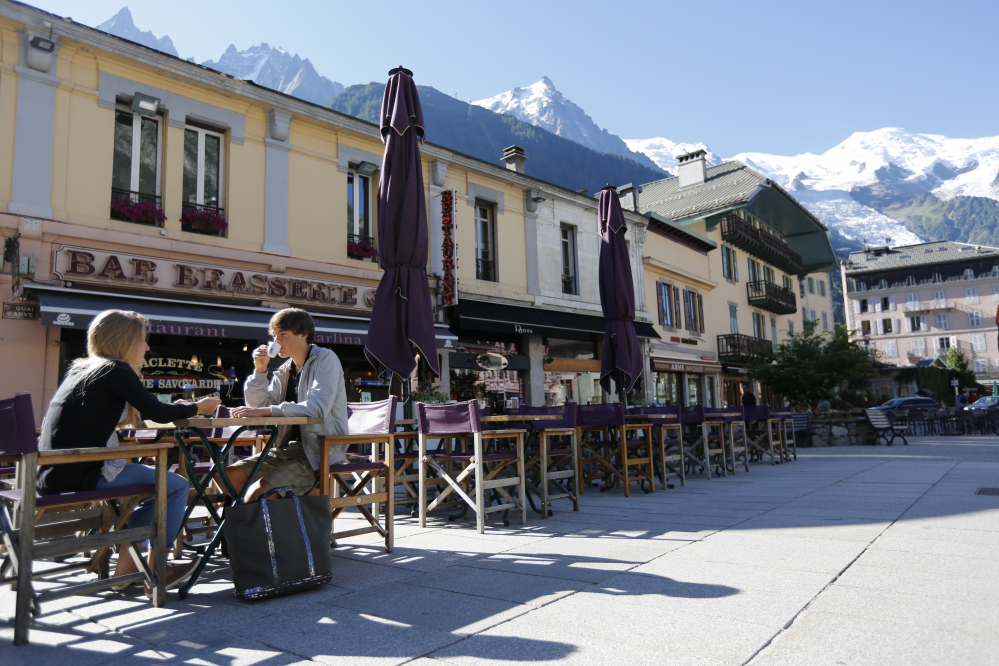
(665,365)
(491,361)
(449,249)
(89,265)
(20,310)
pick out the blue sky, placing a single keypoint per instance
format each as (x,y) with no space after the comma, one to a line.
(776,77)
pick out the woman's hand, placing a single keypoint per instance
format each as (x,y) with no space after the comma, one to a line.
(207,406)
(250,412)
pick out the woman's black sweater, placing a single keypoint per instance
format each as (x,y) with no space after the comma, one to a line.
(84,417)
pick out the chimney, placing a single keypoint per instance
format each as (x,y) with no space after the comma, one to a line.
(692,168)
(514,157)
(628,195)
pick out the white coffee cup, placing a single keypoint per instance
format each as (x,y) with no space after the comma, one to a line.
(273,348)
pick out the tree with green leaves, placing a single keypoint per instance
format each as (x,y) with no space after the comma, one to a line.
(809,367)
(964,375)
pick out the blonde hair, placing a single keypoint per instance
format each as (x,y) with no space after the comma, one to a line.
(111,336)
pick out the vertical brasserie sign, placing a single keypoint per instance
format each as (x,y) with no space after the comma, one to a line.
(449,250)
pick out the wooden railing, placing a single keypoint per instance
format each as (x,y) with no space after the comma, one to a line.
(770,296)
(761,243)
(738,347)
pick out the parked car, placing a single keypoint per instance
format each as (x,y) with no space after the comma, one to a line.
(988,402)
(910,404)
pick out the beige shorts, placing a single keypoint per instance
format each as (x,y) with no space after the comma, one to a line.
(287,466)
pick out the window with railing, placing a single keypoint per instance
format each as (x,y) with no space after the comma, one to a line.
(202,187)
(568,241)
(943,344)
(360,239)
(912,301)
(485,242)
(135,169)
(971,295)
(940,298)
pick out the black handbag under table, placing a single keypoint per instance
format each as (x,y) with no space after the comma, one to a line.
(279,546)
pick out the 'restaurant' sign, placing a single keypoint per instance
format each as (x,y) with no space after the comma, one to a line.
(100,266)
(449,249)
(20,310)
(663,365)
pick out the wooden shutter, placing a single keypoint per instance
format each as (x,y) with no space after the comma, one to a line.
(908,325)
(660,288)
(700,313)
(676,308)
(735,267)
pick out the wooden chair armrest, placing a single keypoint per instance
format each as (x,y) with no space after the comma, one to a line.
(344,440)
(101,453)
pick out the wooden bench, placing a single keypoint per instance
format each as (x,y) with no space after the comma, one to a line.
(883,427)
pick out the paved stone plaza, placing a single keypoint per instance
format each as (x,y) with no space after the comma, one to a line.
(849,556)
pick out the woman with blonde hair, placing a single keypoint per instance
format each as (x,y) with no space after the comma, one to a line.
(101,392)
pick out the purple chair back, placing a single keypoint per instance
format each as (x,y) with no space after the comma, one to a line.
(455,417)
(371,418)
(726,414)
(17,426)
(610,414)
(221,412)
(569,413)
(692,415)
(485,411)
(672,414)
(757,413)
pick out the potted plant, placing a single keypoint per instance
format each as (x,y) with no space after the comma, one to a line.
(141,212)
(429,394)
(361,249)
(203,220)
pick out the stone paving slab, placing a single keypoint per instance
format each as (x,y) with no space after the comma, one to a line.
(862,555)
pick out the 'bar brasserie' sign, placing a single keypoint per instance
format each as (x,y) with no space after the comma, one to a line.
(449,281)
(87,264)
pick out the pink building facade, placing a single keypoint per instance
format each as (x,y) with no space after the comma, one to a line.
(913,303)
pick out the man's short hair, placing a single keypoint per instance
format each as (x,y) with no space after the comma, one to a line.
(293,320)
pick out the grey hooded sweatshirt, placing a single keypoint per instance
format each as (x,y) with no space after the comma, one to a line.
(321,392)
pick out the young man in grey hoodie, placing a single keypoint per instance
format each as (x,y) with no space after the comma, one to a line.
(310,383)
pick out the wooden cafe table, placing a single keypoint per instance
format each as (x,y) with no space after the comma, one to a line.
(192,429)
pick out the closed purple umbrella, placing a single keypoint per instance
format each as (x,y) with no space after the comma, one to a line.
(622,359)
(402,316)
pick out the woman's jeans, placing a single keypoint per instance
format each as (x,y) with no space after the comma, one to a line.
(177,491)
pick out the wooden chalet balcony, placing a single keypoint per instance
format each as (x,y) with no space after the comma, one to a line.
(736,348)
(773,297)
(761,244)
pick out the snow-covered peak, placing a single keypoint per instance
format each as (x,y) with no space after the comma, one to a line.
(930,162)
(274,67)
(542,105)
(122,25)
(664,152)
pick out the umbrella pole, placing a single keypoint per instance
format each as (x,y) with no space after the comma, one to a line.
(407,404)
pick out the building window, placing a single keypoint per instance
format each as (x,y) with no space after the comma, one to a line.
(974,318)
(886,326)
(939,298)
(754,269)
(202,185)
(569,285)
(891,348)
(981,366)
(769,275)
(969,274)
(759,326)
(937,277)
(882,283)
(773,327)
(730,264)
(485,243)
(135,168)
(971,295)
(861,286)
(995,292)
(669,304)
(912,301)
(790,327)
(812,316)
(915,323)
(943,321)
(693,309)
(943,344)
(788,284)
(811,285)
(919,347)
(886,303)
(825,322)
(865,328)
(978,342)
(865,306)
(733,319)
(822,288)
(360,240)
(910,281)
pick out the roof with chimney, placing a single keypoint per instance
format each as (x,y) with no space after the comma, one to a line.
(731,186)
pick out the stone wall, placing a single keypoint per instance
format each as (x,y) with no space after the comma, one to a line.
(841,432)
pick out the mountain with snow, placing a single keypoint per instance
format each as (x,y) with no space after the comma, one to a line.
(122,25)
(889,183)
(543,106)
(273,67)
(664,152)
